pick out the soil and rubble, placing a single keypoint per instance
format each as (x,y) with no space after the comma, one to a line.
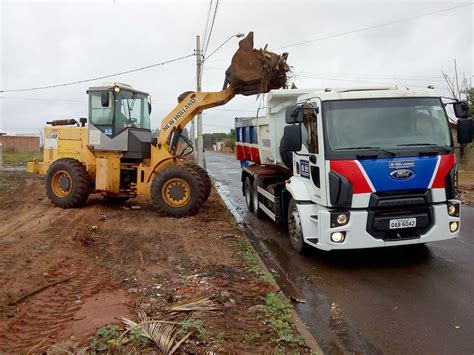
(67,277)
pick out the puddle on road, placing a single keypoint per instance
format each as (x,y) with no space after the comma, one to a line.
(324,318)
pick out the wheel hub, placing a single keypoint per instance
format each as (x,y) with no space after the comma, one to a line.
(176,192)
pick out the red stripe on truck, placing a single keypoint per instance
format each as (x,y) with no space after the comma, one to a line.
(352,172)
(445,165)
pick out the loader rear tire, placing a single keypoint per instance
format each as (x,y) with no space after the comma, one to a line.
(205,178)
(68,183)
(178,191)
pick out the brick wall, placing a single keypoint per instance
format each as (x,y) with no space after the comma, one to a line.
(20,144)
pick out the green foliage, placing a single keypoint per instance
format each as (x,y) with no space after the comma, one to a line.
(103,337)
(136,336)
(278,310)
(19,158)
(231,133)
(195,326)
(251,260)
(251,337)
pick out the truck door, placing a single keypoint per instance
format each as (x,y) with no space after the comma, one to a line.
(309,162)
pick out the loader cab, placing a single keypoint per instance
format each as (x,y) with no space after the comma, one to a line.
(119,120)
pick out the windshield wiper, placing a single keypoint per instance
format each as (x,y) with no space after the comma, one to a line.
(375,149)
(431,145)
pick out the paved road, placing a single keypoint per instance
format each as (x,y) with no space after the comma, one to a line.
(392,301)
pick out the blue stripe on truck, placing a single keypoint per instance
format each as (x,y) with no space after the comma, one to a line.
(378,171)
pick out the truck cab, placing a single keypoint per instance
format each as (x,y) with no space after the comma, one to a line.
(352,168)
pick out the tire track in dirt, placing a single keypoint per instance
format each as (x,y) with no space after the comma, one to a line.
(47,313)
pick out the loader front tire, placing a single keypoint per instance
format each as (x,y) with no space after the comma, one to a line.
(178,191)
(205,178)
(68,184)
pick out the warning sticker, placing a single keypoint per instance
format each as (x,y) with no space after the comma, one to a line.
(304,164)
(51,141)
(94,137)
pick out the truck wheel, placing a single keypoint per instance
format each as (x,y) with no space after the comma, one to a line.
(204,176)
(68,184)
(248,190)
(255,208)
(294,229)
(177,191)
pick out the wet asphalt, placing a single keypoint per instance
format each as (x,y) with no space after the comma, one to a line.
(399,300)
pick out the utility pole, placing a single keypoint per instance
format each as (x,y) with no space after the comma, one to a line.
(198,130)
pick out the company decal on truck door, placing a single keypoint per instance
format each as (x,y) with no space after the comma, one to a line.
(304,169)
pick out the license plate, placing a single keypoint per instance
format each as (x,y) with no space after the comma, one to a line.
(402,223)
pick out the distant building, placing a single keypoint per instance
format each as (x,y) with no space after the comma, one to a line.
(25,144)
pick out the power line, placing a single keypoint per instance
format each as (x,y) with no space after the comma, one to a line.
(362,29)
(372,27)
(100,77)
(212,27)
(206,27)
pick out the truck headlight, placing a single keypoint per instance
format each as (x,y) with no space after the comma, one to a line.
(339,219)
(338,237)
(453,209)
(453,226)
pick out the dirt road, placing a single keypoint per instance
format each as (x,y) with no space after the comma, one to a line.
(389,300)
(65,273)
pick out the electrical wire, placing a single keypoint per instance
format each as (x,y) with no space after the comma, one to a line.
(100,77)
(372,27)
(362,29)
(206,24)
(212,27)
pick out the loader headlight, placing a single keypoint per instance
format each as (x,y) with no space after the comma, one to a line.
(453,209)
(338,237)
(453,226)
(339,219)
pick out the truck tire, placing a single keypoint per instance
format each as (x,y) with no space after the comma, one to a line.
(256,209)
(204,176)
(68,184)
(177,191)
(294,229)
(248,193)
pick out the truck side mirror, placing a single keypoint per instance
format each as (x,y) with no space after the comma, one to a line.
(294,114)
(149,107)
(292,140)
(461,109)
(104,99)
(464,130)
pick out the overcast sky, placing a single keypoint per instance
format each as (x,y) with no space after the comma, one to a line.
(44,43)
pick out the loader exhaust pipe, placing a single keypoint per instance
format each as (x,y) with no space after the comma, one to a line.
(255,71)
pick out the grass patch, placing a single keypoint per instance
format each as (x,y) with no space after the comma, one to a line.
(196,326)
(278,310)
(104,339)
(20,158)
(251,260)
(251,338)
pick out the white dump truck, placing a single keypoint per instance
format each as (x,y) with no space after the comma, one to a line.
(354,167)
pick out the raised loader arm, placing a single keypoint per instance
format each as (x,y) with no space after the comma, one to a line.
(173,124)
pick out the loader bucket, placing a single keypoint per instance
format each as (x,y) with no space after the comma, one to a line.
(254,71)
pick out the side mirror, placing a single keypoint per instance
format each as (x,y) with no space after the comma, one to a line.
(464,130)
(461,109)
(104,99)
(149,107)
(294,114)
(292,140)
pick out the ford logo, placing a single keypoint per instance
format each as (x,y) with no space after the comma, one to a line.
(402,174)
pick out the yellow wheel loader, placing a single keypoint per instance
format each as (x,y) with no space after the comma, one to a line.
(113,152)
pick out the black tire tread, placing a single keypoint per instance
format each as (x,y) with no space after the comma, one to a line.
(204,176)
(81,180)
(197,191)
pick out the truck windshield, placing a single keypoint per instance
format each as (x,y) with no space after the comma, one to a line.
(131,110)
(392,123)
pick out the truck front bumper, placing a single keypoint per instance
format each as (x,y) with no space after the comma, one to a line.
(316,226)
